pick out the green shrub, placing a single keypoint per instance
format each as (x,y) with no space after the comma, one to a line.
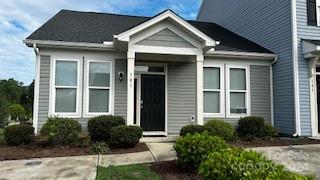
(63,131)
(193,149)
(191,129)
(41,141)
(19,134)
(99,127)
(254,127)
(220,128)
(241,164)
(125,136)
(17,112)
(100,148)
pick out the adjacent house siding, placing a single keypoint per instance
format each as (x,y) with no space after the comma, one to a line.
(181,95)
(305,32)
(260,91)
(44,84)
(166,38)
(120,99)
(267,23)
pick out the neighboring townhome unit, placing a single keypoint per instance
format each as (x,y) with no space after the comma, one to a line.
(291,29)
(160,73)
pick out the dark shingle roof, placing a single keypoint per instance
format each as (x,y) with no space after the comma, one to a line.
(75,26)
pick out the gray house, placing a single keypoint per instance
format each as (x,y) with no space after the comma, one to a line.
(160,73)
(291,29)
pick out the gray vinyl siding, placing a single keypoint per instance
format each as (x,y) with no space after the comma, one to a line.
(166,38)
(181,95)
(120,99)
(44,84)
(267,23)
(260,92)
(305,32)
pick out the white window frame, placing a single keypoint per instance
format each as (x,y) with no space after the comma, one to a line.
(221,114)
(318,12)
(247,91)
(52,111)
(87,87)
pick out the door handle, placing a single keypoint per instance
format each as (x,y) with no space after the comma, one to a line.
(141,104)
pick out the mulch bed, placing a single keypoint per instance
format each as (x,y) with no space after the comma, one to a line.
(169,170)
(28,152)
(273,142)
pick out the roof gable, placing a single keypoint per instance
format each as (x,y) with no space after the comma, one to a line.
(174,18)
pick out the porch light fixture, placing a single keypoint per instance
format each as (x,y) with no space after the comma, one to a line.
(120,76)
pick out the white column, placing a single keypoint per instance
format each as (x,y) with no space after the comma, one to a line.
(200,59)
(130,87)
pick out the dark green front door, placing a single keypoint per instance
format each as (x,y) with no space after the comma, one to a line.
(152,103)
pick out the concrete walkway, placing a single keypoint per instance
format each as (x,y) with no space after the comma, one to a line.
(303,158)
(80,167)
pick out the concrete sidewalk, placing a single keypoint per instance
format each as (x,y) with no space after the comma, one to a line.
(300,158)
(80,167)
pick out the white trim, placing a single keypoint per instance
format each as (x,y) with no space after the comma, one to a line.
(154,133)
(246,55)
(165,50)
(82,45)
(138,113)
(53,87)
(318,11)
(295,67)
(130,86)
(247,91)
(125,36)
(313,96)
(221,114)
(35,118)
(87,87)
(200,61)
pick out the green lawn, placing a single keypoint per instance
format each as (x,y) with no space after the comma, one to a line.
(132,172)
(2,141)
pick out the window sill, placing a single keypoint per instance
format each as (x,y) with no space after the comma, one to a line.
(213,115)
(91,115)
(65,115)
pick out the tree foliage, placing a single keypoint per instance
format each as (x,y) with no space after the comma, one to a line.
(13,92)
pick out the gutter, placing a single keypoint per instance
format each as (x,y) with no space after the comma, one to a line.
(266,56)
(271,89)
(295,67)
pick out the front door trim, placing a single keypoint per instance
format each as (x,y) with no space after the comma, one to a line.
(138,113)
(314,96)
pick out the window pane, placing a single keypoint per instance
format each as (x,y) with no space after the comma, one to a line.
(211,102)
(99,74)
(66,100)
(98,100)
(211,78)
(149,69)
(66,73)
(238,103)
(237,79)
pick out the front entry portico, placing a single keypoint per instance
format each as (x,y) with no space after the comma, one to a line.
(166,34)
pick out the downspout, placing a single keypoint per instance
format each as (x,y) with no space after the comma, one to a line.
(295,68)
(36,90)
(271,89)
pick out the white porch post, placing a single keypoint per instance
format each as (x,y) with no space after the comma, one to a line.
(200,59)
(130,87)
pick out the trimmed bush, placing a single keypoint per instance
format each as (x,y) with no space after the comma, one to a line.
(63,131)
(254,127)
(193,149)
(241,164)
(191,129)
(125,136)
(99,127)
(220,128)
(20,134)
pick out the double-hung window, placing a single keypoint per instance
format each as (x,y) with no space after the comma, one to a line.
(213,91)
(237,91)
(99,81)
(66,88)
(313,12)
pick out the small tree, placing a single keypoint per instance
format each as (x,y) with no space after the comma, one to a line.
(4,112)
(17,112)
